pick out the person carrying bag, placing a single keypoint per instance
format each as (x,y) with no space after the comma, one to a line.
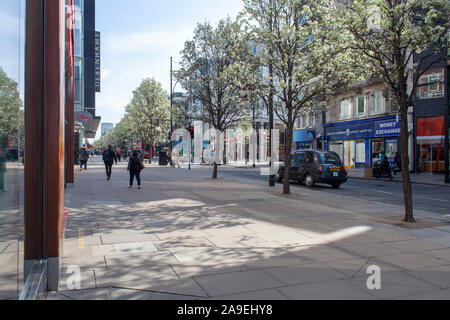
(135,166)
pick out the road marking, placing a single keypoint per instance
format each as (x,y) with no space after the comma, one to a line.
(81,243)
(384,192)
(424,198)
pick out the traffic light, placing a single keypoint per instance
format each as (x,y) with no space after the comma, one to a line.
(192,131)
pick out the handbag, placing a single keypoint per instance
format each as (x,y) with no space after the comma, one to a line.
(142,165)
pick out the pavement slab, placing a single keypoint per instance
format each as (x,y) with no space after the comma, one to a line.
(135,247)
(305,273)
(135,277)
(130,294)
(411,261)
(127,238)
(195,269)
(184,287)
(237,282)
(88,294)
(439,276)
(261,295)
(323,253)
(327,290)
(443,254)
(129,261)
(443,295)
(415,246)
(395,285)
(204,254)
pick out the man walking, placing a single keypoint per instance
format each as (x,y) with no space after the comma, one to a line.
(84,157)
(109,156)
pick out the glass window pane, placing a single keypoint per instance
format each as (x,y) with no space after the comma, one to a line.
(11,148)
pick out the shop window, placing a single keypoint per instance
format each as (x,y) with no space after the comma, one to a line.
(377,103)
(360,106)
(311,121)
(360,151)
(391,149)
(345,110)
(338,148)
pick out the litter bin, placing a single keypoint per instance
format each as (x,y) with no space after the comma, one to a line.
(163,158)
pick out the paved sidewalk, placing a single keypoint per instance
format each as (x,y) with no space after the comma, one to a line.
(185,236)
(417,178)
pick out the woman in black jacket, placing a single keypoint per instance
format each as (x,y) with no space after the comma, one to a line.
(135,168)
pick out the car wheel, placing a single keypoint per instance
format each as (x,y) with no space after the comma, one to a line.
(309,181)
(336,185)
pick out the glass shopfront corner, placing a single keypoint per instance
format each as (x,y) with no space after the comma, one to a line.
(11,149)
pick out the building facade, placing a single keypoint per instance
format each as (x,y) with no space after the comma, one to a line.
(107,127)
(360,123)
(431,104)
(86,71)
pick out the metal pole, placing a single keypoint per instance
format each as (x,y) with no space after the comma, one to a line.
(171,107)
(255,147)
(271,124)
(446,128)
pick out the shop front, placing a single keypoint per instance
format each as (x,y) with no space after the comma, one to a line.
(304,139)
(358,142)
(430,143)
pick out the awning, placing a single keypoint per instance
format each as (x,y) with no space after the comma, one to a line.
(431,130)
(91,127)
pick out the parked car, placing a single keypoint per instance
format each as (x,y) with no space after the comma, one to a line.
(315,166)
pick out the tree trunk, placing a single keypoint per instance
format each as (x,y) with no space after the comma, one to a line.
(215,171)
(287,158)
(407,190)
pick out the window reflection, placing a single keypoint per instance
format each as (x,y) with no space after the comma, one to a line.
(11,148)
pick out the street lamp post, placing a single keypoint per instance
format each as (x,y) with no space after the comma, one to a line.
(171,107)
(446,133)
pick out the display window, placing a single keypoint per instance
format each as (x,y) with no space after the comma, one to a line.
(432,158)
(12,139)
(360,151)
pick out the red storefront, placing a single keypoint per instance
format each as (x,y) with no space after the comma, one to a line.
(431,141)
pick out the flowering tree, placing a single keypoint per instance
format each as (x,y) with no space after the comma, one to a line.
(148,113)
(207,61)
(302,59)
(389,34)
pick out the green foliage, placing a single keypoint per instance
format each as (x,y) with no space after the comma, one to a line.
(148,114)
(387,33)
(11,107)
(300,41)
(206,72)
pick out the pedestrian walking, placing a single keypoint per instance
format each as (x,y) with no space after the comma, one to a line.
(176,158)
(118,153)
(135,166)
(385,165)
(397,163)
(2,170)
(84,157)
(109,157)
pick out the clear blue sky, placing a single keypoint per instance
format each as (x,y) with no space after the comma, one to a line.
(11,39)
(138,39)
